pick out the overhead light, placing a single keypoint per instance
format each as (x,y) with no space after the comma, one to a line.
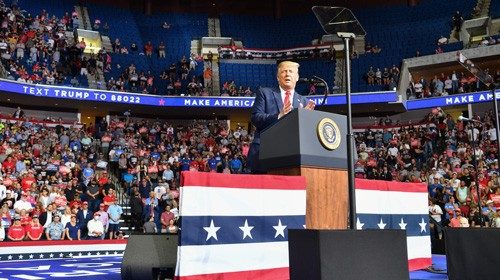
(8,99)
(88,118)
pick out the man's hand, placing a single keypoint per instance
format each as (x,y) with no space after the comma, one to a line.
(286,110)
(310,105)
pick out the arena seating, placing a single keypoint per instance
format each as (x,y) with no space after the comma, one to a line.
(137,28)
(398,30)
(401,31)
(266,32)
(495,9)
(53,7)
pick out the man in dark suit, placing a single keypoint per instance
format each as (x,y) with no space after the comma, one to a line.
(272,104)
(83,216)
(18,114)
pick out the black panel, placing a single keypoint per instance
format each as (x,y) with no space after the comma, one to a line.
(348,254)
(146,255)
(472,253)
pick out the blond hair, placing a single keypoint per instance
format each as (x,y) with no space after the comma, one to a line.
(288,63)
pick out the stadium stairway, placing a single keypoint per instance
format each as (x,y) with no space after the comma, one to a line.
(214,27)
(87,24)
(123,201)
(79,20)
(214,89)
(340,79)
(106,43)
(484,8)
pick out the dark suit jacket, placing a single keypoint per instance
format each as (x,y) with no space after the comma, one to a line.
(21,114)
(265,111)
(83,220)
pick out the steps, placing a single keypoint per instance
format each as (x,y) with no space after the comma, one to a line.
(482,9)
(86,19)
(106,43)
(213,27)
(495,27)
(340,78)
(217,27)
(214,85)
(195,46)
(79,21)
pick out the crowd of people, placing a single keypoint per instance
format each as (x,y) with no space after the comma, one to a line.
(440,152)
(229,88)
(57,182)
(178,79)
(388,77)
(54,183)
(232,51)
(148,157)
(454,83)
(34,48)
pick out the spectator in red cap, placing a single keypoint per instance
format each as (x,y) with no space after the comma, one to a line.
(95,227)
(34,230)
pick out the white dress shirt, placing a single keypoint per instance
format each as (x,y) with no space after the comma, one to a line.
(95,225)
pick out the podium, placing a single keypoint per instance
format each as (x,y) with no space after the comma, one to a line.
(312,144)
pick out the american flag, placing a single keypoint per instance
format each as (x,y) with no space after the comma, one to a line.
(236,226)
(396,205)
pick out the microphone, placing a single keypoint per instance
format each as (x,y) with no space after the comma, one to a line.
(327,89)
(307,80)
(464,119)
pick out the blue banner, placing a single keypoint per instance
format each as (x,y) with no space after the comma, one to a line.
(451,100)
(173,101)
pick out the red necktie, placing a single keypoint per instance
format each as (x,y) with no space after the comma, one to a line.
(287,99)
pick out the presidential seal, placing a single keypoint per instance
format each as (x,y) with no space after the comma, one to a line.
(328,134)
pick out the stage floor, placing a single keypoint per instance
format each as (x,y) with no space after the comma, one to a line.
(108,268)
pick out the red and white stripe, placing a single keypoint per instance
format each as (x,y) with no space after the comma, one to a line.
(383,197)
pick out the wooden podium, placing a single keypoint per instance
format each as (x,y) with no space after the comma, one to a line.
(312,144)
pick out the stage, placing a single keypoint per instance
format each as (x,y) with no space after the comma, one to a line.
(108,268)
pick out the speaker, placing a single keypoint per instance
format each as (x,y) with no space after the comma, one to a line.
(347,254)
(472,253)
(148,255)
